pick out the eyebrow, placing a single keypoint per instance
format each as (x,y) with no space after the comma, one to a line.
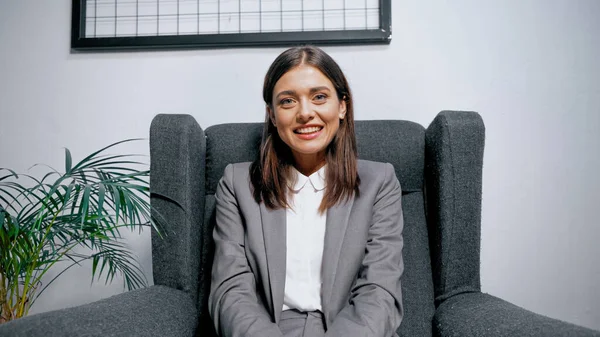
(286,92)
(316,89)
(293,92)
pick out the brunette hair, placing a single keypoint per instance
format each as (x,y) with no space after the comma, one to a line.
(271,173)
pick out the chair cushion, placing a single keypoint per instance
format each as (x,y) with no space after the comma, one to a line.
(152,311)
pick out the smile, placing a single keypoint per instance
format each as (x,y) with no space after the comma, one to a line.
(308,133)
(308,130)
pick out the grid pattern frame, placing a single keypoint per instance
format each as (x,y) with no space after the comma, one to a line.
(119,24)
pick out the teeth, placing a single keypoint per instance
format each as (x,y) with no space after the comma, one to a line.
(308,130)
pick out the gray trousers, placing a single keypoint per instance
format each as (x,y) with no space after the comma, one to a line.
(294,323)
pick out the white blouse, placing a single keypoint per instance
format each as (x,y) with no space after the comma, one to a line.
(305,239)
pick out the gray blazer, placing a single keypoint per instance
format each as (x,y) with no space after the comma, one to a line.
(362,259)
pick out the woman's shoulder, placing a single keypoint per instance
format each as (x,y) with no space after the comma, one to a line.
(369,164)
(372,172)
(236,171)
(236,178)
(368,168)
(241,166)
(376,177)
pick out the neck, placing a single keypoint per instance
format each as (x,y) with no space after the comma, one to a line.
(309,164)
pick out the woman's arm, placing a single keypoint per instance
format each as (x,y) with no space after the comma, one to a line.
(375,306)
(233,303)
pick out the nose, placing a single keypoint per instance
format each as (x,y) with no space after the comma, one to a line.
(305,113)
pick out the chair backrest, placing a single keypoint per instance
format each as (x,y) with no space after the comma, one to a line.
(400,143)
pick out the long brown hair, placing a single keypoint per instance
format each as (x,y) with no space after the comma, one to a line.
(271,172)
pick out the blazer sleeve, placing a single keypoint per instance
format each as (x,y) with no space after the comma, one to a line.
(233,303)
(375,305)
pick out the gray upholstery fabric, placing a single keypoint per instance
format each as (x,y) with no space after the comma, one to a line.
(205,326)
(177,153)
(229,143)
(454,160)
(417,285)
(478,314)
(153,311)
(402,144)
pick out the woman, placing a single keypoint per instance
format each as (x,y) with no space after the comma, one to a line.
(300,249)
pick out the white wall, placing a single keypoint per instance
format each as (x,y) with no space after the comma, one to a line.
(530,67)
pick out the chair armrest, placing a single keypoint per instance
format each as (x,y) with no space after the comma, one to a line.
(153,311)
(478,314)
(177,183)
(454,144)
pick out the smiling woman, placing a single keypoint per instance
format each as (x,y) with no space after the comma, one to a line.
(309,122)
(300,250)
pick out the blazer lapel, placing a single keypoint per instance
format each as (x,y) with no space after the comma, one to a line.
(335,231)
(274,234)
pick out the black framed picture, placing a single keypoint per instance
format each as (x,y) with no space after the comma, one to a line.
(171,24)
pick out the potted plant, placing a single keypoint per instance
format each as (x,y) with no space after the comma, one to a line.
(73,216)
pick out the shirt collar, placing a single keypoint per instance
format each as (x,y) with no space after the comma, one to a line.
(317,180)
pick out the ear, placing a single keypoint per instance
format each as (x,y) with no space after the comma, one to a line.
(271,115)
(342,112)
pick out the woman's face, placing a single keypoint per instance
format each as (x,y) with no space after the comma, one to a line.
(306,112)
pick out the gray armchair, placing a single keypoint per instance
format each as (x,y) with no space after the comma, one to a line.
(440,169)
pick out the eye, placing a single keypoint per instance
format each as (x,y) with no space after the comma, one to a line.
(286,101)
(320,97)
